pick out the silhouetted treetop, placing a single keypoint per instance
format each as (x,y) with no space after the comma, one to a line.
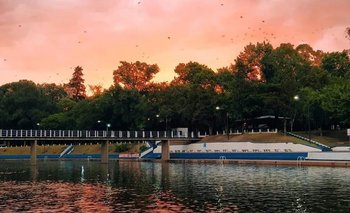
(76,88)
(135,76)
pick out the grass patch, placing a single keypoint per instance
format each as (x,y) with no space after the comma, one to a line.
(142,148)
(262,137)
(330,139)
(120,148)
(25,150)
(78,149)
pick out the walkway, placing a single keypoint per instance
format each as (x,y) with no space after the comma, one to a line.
(103,137)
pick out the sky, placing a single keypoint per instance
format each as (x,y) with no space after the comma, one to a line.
(43,40)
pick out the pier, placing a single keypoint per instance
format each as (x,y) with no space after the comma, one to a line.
(34,137)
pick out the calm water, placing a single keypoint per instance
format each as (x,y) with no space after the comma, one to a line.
(88,186)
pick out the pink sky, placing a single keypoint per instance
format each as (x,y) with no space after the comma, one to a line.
(42,40)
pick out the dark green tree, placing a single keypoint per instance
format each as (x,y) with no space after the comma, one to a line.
(23,105)
(337,64)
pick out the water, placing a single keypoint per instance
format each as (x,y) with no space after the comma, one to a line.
(125,186)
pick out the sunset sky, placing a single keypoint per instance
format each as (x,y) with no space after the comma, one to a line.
(43,40)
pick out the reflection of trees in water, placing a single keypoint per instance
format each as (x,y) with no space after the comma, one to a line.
(148,186)
(48,196)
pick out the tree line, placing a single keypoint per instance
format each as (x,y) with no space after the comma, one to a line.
(262,80)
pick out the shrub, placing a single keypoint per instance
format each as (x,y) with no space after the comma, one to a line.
(143,148)
(122,148)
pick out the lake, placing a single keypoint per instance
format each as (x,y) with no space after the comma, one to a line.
(132,186)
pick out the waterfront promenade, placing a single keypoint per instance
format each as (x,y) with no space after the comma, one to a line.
(102,137)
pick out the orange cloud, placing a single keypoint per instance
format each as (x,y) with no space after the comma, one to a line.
(42,40)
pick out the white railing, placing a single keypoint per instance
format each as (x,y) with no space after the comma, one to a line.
(307,139)
(237,132)
(92,134)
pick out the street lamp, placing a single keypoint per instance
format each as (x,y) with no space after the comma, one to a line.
(226,124)
(99,124)
(38,125)
(296,98)
(108,125)
(166,121)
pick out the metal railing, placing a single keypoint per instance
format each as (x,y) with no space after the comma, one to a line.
(93,134)
(308,140)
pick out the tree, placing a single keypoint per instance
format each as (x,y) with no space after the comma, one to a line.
(248,62)
(194,90)
(314,77)
(337,64)
(335,99)
(96,90)
(195,74)
(128,109)
(23,104)
(60,121)
(281,68)
(135,76)
(309,54)
(76,88)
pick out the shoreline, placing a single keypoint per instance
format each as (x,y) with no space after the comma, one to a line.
(317,163)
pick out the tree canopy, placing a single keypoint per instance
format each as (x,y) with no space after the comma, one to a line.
(76,88)
(262,80)
(135,76)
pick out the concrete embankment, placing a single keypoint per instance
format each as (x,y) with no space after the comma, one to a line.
(263,162)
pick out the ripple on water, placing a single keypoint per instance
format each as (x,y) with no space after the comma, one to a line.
(153,187)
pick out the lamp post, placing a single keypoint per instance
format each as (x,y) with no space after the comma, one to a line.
(108,125)
(99,124)
(226,123)
(166,121)
(296,98)
(38,125)
(308,120)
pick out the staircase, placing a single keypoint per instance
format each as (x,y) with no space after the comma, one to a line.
(323,147)
(67,151)
(152,147)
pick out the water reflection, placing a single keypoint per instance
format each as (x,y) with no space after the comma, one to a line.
(82,178)
(73,186)
(34,172)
